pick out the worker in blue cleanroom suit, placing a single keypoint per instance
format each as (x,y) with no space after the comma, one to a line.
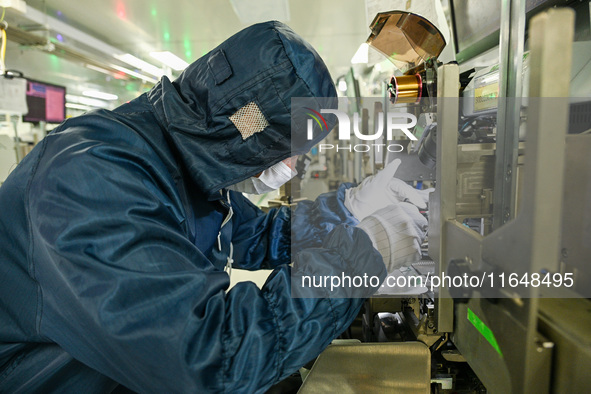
(116,230)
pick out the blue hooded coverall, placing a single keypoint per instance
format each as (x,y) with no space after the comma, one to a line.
(113,251)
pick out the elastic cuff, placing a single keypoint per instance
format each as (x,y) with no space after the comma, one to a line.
(279,353)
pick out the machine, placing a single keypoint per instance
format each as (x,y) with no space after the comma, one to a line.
(507,147)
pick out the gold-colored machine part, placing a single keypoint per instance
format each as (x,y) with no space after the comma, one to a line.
(406,39)
(406,88)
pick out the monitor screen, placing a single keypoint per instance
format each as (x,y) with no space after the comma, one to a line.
(46,102)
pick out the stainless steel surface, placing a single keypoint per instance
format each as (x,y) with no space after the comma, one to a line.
(508,116)
(475,179)
(523,366)
(454,356)
(576,217)
(567,323)
(403,367)
(531,242)
(528,243)
(443,201)
(463,243)
(422,326)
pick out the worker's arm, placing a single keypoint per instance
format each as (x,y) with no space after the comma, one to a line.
(259,239)
(266,240)
(124,291)
(317,218)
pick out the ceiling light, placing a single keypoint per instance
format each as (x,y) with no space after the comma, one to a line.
(73,99)
(94,102)
(99,69)
(361,56)
(134,74)
(139,63)
(170,59)
(78,106)
(253,11)
(105,71)
(342,85)
(100,95)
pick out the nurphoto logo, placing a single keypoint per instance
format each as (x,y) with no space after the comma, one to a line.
(394,121)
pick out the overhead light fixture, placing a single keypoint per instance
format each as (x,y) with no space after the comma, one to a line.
(362,55)
(253,11)
(105,71)
(94,102)
(170,59)
(140,64)
(73,99)
(100,95)
(99,69)
(78,106)
(134,74)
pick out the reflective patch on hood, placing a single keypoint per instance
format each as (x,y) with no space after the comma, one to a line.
(249,120)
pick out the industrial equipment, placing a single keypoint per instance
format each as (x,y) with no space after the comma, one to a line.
(511,202)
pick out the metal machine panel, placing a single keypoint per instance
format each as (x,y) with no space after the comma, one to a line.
(499,338)
(494,347)
(567,323)
(475,179)
(576,220)
(371,368)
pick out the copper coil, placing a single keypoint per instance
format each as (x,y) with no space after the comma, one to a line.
(406,88)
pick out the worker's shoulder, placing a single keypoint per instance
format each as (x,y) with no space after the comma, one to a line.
(98,130)
(94,144)
(100,125)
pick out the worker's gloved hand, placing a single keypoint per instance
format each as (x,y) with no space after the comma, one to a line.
(383,189)
(403,192)
(397,232)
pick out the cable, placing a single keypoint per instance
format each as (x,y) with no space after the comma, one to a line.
(3,13)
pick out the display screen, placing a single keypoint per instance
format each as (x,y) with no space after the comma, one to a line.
(46,102)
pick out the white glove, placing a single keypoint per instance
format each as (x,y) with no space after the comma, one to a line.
(380,190)
(397,232)
(403,192)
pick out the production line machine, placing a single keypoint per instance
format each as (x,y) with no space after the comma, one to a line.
(509,153)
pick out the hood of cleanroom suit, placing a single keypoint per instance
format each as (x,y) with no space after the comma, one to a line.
(115,231)
(265,66)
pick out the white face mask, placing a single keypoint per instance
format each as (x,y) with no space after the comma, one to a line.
(270,179)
